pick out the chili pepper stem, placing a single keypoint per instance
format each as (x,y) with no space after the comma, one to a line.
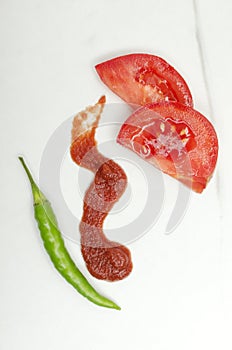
(37,194)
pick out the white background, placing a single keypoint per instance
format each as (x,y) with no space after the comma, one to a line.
(179,295)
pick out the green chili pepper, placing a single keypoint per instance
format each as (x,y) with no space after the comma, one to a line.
(54,245)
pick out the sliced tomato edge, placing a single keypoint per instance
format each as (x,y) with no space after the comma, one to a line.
(194,183)
(167,67)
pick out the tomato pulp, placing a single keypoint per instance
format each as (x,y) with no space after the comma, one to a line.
(105,259)
(142,78)
(175,138)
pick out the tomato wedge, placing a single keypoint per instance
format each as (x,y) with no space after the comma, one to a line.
(175,138)
(142,78)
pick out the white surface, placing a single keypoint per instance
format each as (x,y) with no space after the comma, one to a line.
(179,295)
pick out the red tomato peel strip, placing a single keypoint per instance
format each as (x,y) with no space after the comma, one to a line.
(104,259)
(176,139)
(142,78)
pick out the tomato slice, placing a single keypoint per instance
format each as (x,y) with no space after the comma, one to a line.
(141,78)
(175,138)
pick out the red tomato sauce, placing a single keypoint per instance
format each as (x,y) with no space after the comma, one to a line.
(105,259)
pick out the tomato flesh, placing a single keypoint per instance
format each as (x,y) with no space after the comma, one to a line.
(175,138)
(161,87)
(142,78)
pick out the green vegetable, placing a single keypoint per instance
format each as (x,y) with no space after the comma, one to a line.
(54,245)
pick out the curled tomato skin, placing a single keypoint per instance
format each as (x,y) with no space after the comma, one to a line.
(142,78)
(175,138)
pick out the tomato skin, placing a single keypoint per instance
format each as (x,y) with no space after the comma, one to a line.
(142,78)
(176,139)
